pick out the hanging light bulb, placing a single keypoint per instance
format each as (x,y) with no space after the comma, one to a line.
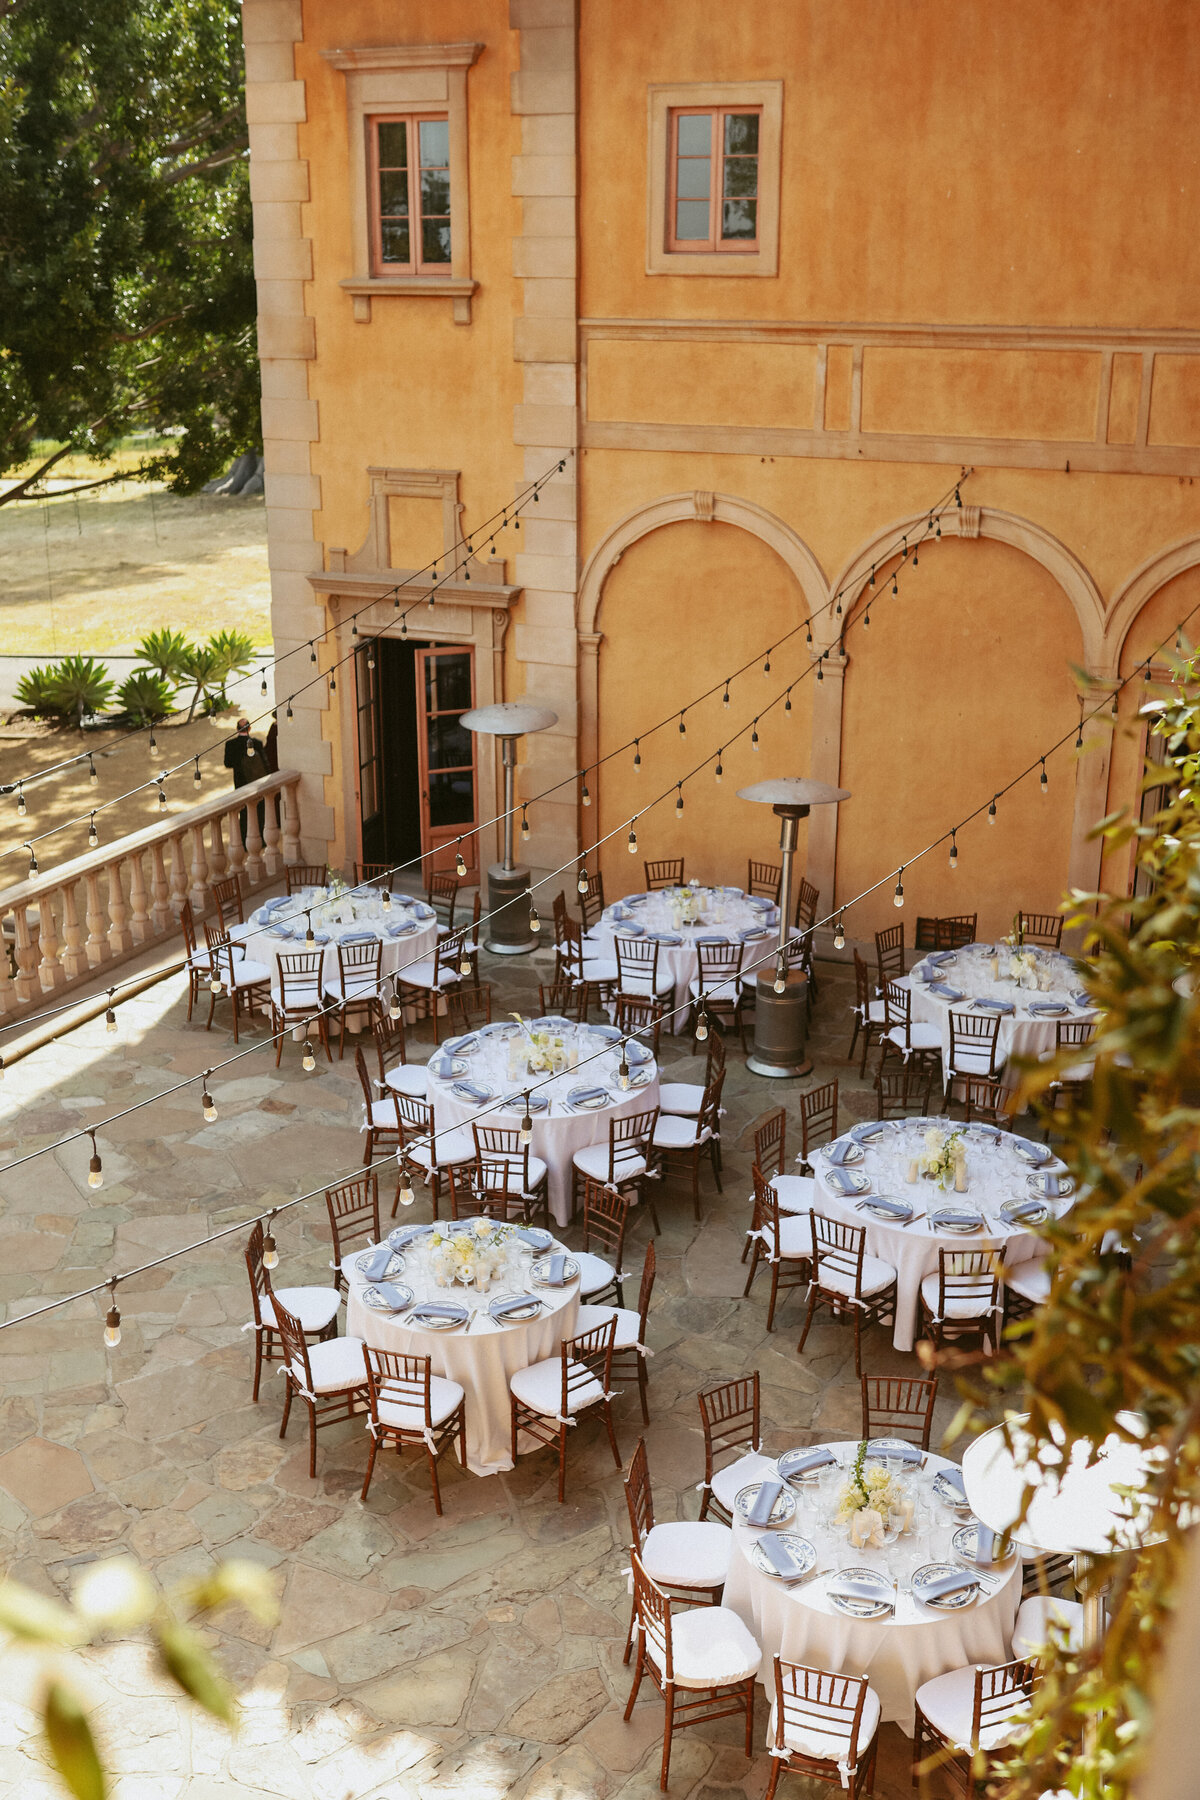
(263,685)
(524,826)
(464,966)
(33,861)
(1114,709)
(838,608)
(404,1193)
(289,714)
(312,654)
(208,1105)
(332,682)
(404,625)
(585,799)
(525,1135)
(95,1166)
(957,495)
(153,744)
(1044,779)
(821,668)
(623,1068)
(460,867)
(386,900)
(22,809)
(895,583)
(682,726)
(679,799)
(370,657)
(1079,733)
(197,778)
(93,834)
(354,628)
(308,1060)
(310,941)
(215,983)
(867,617)
(898,896)
(637,753)
(754,736)
(270,1252)
(582,885)
(839,935)
(872,583)
(719,770)
(1,1068)
(954,848)
(162,794)
(767,664)
(725,696)
(702,1024)
(632,844)
(808,631)
(535,924)
(915,549)
(780,975)
(92,775)
(112,1320)
(992,811)
(110,1017)
(787,703)
(394,1006)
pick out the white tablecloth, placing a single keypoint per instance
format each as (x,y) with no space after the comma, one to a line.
(480,1360)
(361,913)
(724,913)
(559,1131)
(897,1653)
(994,1174)
(1055,979)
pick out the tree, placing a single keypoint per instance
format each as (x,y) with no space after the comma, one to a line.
(127,297)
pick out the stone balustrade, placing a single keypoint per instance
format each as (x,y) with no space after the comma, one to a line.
(97,910)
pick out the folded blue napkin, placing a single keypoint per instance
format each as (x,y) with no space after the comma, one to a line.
(945,1584)
(407,1234)
(839,1150)
(377,1268)
(1034,1153)
(1024,1209)
(638,1053)
(618,911)
(713,937)
(510,1303)
(516,1102)
(841,1183)
(1053,1186)
(552,1024)
(895,1209)
(922,972)
(763,1504)
(535,1238)
(780,1557)
(635,899)
(631,929)
(322,937)
(845,1587)
(578,1095)
(403,930)
(285,933)
(941,956)
(986,1544)
(818,1458)
(954,1478)
(608,1032)
(359,937)
(759,904)
(946,992)
(456,1046)
(1046,1009)
(441,1066)
(665,937)
(991,1132)
(421,911)
(771,916)
(470,1091)
(753,933)
(908,1453)
(987,947)
(957,1215)
(1082,998)
(556,1270)
(872,1128)
(436,1309)
(997,1006)
(396,1298)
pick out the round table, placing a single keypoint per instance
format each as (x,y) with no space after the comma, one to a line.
(408,931)
(898,1653)
(995,1173)
(481,1359)
(559,1129)
(723,913)
(1041,987)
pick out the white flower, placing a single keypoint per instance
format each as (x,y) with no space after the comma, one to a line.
(482,1227)
(114,1595)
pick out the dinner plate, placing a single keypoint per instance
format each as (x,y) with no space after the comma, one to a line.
(943,1602)
(592,1105)
(1032,1157)
(439,1324)
(879,1449)
(784,1465)
(518,1315)
(803,1552)
(1030,1220)
(783,1509)
(458,1066)
(854,1154)
(859,1184)
(881,1213)
(485,1092)
(865,1609)
(540,1270)
(949,1496)
(964,1541)
(1066,1187)
(941,1223)
(375,1300)
(395,1266)
(871,1129)
(516,1102)
(641,1078)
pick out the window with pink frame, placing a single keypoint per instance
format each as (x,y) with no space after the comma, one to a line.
(712,187)
(409,161)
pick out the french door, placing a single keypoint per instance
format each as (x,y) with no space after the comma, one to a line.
(446,760)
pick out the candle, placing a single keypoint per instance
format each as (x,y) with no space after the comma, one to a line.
(914,1169)
(960,1177)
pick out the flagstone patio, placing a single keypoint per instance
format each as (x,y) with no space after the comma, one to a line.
(476,1655)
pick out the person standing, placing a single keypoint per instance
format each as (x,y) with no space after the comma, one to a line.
(247,758)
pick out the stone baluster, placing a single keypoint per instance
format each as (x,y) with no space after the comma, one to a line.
(237,850)
(26,954)
(50,970)
(179,874)
(74,956)
(120,938)
(199,889)
(217,861)
(291,822)
(160,912)
(10,1000)
(272,834)
(139,899)
(97,943)
(255,867)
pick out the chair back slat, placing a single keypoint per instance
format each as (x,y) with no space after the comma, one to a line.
(292,1343)
(649,1270)
(996,1687)
(260,1275)
(220,952)
(764,878)
(396,1379)
(637,962)
(441,891)
(300,980)
(652,1610)
(353,1214)
(638,1497)
(391,1046)
(591,903)
(838,1246)
(667,872)
(298,876)
(729,1415)
(719,968)
(640,1016)
(605,1215)
(228,896)
(898,1406)
(815,1703)
(818,1116)
(953,932)
(585,1359)
(769,1143)
(808,899)
(889,953)
(971,1276)
(1041,928)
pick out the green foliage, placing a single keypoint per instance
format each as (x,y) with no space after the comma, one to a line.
(213,664)
(164,653)
(1109,1341)
(66,689)
(71,1744)
(127,296)
(34,690)
(145,697)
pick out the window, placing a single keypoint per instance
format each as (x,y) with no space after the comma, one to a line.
(410,192)
(713,178)
(713,203)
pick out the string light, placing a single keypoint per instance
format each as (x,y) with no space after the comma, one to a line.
(386,901)
(787,704)
(780,974)
(623,1068)
(93,834)
(754,736)
(585,799)
(263,685)
(308,1061)
(808,631)
(679,799)
(110,1017)
(872,574)
(524,826)
(725,696)
(460,867)
(289,714)
(404,1193)
(95,1166)
(632,845)
(332,682)
(310,941)
(1115,710)
(208,1105)
(354,628)
(394,1007)
(991,813)
(839,935)
(1044,779)
(525,1134)
(464,967)
(838,608)
(898,896)
(954,848)
(22,809)
(1079,733)
(92,775)
(895,583)
(112,1320)
(767,664)
(197,778)
(270,1252)
(821,666)
(682,726)
(867,617)
(162,793)
(957,496)
(702,1023)
(312,654)
(153,744)
(637,753)
(535,924)
(215,983)
(582,885)
(33,861)
(719,770)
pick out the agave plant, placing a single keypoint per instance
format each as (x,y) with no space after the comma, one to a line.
(164,653)
(213,664)
(145,697)
(79,685)
(34,690)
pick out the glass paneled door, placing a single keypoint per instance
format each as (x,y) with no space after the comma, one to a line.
(446,757)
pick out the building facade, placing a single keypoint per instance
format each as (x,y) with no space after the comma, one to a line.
(765,280)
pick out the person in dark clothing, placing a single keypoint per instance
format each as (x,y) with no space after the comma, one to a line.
(272,754)
(247,758)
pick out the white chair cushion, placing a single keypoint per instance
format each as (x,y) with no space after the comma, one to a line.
(796,1193)
(336,1365)
(597,968)
(629,1324)
(828,1745)
(727,1483)
(674,1132)
(920,1037)
(245,973)
(539,1387)
(948,1701)
(876,1013)
(688,1553)
(720,988)
(411,1079)
(238,934)
(795,1236)
(1029,1279)
(682,1097)
(594,1273)
(958,1305)
(302,996)
(1039,1616)
(876,1275)
(640,984)
(421,975)
(711,1648)
(357,988)
(514,1182)
(313,1306)
(593,1161)
(384,1116)
(971,1059)
(444,1396)
(457,1146)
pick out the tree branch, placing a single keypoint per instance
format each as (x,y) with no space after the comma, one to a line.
(231,153)
(21,488)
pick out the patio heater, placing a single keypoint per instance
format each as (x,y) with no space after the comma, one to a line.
(508,932)
(780,1018)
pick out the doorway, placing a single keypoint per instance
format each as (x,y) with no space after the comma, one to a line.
(417,776)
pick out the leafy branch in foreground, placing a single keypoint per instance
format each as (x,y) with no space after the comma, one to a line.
(118,1597)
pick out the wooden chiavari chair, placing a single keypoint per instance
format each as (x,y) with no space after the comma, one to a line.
(298,876)
(965,1723)
(314,1308)
(353,1220)
(329,1377)
(869,1014)
(565,1387)
(763,878)
(666,873)
(729,1418)
(825,1727)
(899,1406)
(1044,929)
(847,1281)
(409,1404)
(783,1240)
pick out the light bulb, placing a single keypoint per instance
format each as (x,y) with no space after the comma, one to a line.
(718,771)
(214,984)
(839,936)
(725,696)
(1044,782)
(585,799)
(309,937)
(623,1070)
(394,1006)
(682,727)
(263,686)
(524,827)
(953,851)
(701,1026)
(460,867)
(270,1253)
(637,754)
(464,967)
(93,777)
(525,1135)
(289,714)
(787,702)
(22,809)
(406,1194)
(93,834)
(153,745)
(678,800)
(821,670)
(207,1104)
(370,656)
(898,896)
(754,733)
(308,1060)
(110,1017)
(632,845)
(162,796)
(582,884)
(991,816)
(95,1166)
(535,924)
(866,618)
(33,861)
(767,664)
(312,655)
(197,778)
(354,628)
(780,981)
(112,1327)
(387,900)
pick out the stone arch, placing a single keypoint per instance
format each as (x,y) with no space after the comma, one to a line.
(1007,528)
(672,509)
(1142,586)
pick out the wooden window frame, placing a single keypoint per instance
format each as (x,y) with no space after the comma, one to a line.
(717,158)
(416,264)
(733,257)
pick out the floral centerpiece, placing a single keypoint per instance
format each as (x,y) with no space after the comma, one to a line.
(474,1256)
(944,1158)
(872,1503)
(544,1051)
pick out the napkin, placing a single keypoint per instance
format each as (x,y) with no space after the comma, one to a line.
(759,904)
(402,930)
(841,1183)
(986,1543)
(422,912)
(945,1584)
(619,912)
(359,937)
(957,1215)
(895,1209)
(283,931)
(377,1268)
(1046,1009)
(953,1478)
(537,1240)
(500,1309)
(872,1129)
(986,1131)
(1025,1209)
(908,1453)
(1081,998)
(631,929)
(577,1096)
(395,1299)
(839,1150)
(609,1033)
(752,934)
(455,1046)
(844,1587)
(771,916)
(552,1024)
(517,1102)
(407,1234)
(922,972)
(819,1458)
(941,956)
(638,1053)
(441,1066)
(946,992)
(434,1309)
(1035,1153)
(471,1091)
(780,1557)
(556,1270)
(1053,1186)
(997,1006)
(665,937)
(713,937)
(322,937)
(763,1503)
(635,899)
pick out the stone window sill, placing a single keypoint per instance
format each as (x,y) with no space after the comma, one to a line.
(457,288)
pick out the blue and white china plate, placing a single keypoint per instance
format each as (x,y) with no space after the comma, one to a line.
(783,1509)
(943,1602)
(375,1300)
(964,1541)
(518,1314)
(948,1495)
(540,1272)
(864,1609)
(395,1267)
(804,1556)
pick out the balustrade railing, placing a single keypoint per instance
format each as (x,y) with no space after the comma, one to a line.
(62,927)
